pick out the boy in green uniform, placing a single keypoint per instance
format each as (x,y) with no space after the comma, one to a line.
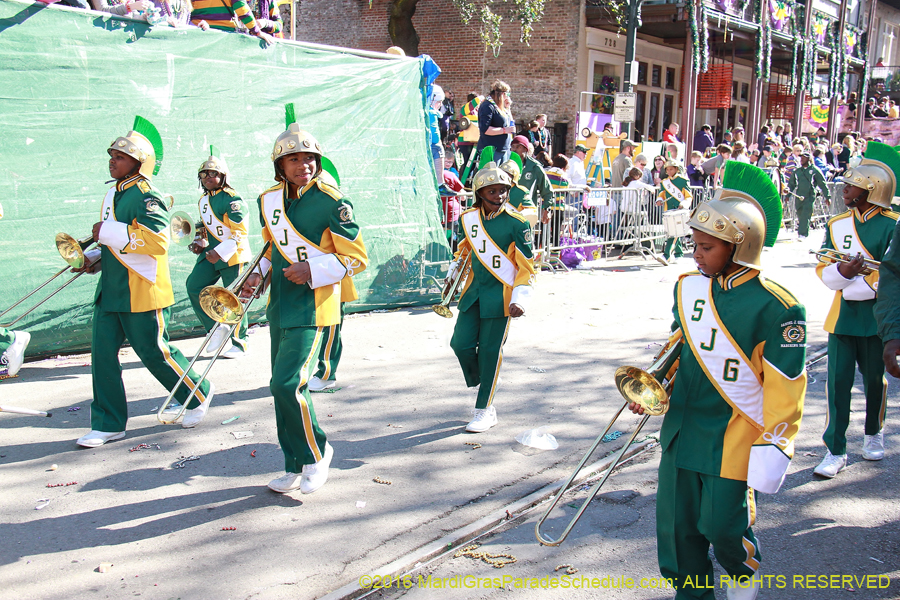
(228,251)
(519,196)
(12,349)
(498,245)
(134,295)
(738,396)
(803,182)
(676,192)
(318,247)
(863,232)
(533,177)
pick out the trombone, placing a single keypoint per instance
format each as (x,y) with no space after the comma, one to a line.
(227,307)
(73,252)
(453,286)
(833,256)
(651,390)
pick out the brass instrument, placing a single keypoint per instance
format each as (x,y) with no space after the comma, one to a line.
(454,286)
(72,251)
(833,256)
(182,228)
(225,306)
(651,390)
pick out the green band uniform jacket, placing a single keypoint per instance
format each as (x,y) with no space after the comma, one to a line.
(671,202)
(535,180)
(711,435)
(226,227)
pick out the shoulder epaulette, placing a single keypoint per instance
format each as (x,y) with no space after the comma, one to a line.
(784,296)
(329,189)
(277,186)
(890,213)
(512,211)
(230,191)
(144,186)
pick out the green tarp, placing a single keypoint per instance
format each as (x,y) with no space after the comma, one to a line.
(72,82)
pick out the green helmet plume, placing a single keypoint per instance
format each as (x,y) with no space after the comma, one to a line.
(755,183)
(147,129)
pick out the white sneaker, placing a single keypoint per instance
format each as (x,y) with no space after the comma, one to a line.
(750,592)
(98,438)
(286,483)
(15,354)
(193,416)
(219,337)
(873,446)
(233,352)
(831,465)
(315,475)
(317,385)
(484,419)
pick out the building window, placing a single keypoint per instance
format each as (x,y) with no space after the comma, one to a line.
(642,73)
(653,132)
(745,91)
(668,103)
(734,90)
(640,103)
(655,80)
(670,78)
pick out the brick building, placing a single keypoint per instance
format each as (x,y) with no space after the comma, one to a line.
(542,76)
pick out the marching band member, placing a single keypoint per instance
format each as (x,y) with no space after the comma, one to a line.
(804,180)
(863,232)
(498,244)
(224,217)
(12,344)
(134,294)
(519,196)
(319,247)
(675,194)
(738,396)
(533,177)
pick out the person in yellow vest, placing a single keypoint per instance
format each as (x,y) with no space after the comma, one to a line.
(675,194)
(134,296)
(318,248)
(227,251)
(498,245)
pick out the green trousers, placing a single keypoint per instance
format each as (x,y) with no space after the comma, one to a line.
(330,351)
(804,213)
(845,352)
(478,344)
(146,331)
(294,354)
(205,274)
(694,510)
(667,249)
(7,337)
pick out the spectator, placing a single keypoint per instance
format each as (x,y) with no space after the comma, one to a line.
(622,163)
(672,151)
(778,135)
(657,170)
(448,109)
(831,158)
(640,162)
(766,160)
(754,157)
(608,131)
(738,133)
(703,139)
(633,180)
(787,136)
(723,155)
(542,141)
(533,177)
(739,153)
(851,105)
(762,140)
(469,111)
(575,171)
(727,138)
(893,112)
(268,17)
(557,173)
(819,160)
(670,135)
(450,162)
(224,15)
(434,119)
(695,175)
(452,205)
(121,9)
(793,160)
(495,123)
(847,152)
(544,159)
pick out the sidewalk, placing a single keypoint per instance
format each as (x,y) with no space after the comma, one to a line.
(399,417)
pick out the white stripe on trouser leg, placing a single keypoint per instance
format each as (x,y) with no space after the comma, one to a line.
(305,415)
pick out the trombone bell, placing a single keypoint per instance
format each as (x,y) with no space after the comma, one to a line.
(221,305)
(181,228)
(640,387)
(72,250)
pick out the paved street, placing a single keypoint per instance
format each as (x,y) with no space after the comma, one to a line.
(399,416)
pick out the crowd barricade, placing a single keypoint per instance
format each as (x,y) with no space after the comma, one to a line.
(587,223)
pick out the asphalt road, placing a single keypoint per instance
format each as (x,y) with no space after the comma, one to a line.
(399,417)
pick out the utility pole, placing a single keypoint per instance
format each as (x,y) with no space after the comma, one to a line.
(634,23)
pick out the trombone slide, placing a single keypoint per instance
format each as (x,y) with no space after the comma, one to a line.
(833,256)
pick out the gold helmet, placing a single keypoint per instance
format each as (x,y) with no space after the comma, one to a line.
(878,173)
(294,140)
(214,163)
(491,174)
(144,144)
(746,212)
(513,167)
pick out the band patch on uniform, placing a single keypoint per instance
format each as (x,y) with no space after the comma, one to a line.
(528,175)
(236,205)
(794,333)
(528,236)
(346,214)
(152,205)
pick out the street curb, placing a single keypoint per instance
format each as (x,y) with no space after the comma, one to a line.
(453,540)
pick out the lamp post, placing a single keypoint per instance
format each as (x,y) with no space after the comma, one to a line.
(634,23)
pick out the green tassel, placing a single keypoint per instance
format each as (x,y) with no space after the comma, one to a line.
(515,158)
(329,168)
(213,151)
(146,129)
(887,156)
(289,117)
(753,181)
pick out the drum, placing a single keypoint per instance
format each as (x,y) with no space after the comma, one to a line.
(675,222)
